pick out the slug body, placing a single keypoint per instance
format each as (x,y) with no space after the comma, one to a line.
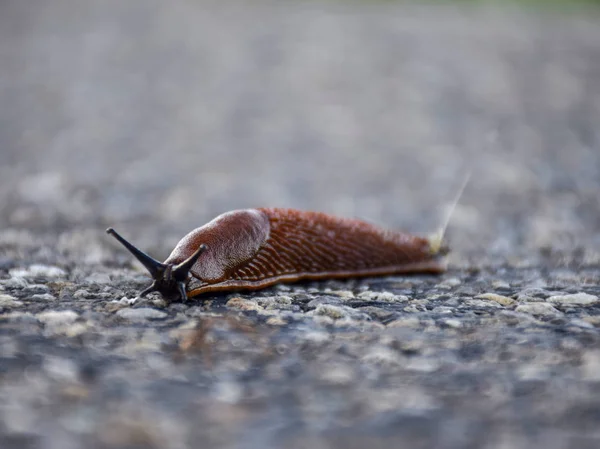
(254,248)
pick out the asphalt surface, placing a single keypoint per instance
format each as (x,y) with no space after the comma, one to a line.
(154,117)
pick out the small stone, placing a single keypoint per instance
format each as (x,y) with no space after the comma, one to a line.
(22,317)
(576,298)
(344,294)
(503,300)
(443,310)
(15,282)
(57,317)
(323,300)
(376,312)
(141,314)
(581,323)
(334,312)
(61,368)
(276,302)
(593,320)
(422,364)
(482,304)
(98,278)
(415,308)
(125,301)
(229,392)
(43,297)
(276,321)
(75,329)
(500,285)
(533,292)
(380,355)
(9,301)
(538,308)
(36,270)
(453,323)
(317,337)
(82,293)
(449,283)
(242,304)
(410,322)
(381,296)
(322,320)
(35,288)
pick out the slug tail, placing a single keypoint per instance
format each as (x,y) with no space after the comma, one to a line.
(437,245)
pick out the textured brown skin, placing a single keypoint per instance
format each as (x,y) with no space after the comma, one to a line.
(254,248)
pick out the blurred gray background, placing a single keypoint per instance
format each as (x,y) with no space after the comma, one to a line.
(154,117)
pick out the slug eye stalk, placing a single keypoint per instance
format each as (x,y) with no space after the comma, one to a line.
(169,279)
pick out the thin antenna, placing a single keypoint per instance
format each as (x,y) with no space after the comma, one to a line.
(436,240)
(152,265)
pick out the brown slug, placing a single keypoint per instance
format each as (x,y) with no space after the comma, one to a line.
(254,248)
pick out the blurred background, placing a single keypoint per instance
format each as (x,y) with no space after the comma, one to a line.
(154,117)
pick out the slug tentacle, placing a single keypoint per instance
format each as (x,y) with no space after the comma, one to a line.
(169,280)
(152,265)
(148,289)
(181,271)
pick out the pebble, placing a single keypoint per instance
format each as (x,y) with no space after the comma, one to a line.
(422,364)
(61,368)
(344,294)
(503,300)
(15,282)
(334,312)
(318,337)
(43,297)
(415,308)
(125,301)
(500,285)
(229,392)
(274,302)
(82,293)
(35,288)
(443,310)
(376,312)
(243,304)
(98,278)
(538,308)
(380,355)
(323,300)
(581,323)
(449,283)
(576,298)
(453,323)
(405,322)
(481,304)
(276,321)
(36,270)
(141,314)
(23,317)
(382,296)
(57,317)
(532,292)
(9,301)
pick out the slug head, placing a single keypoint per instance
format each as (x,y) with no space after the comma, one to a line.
(169,279)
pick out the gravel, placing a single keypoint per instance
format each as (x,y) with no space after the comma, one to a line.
(154,118)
